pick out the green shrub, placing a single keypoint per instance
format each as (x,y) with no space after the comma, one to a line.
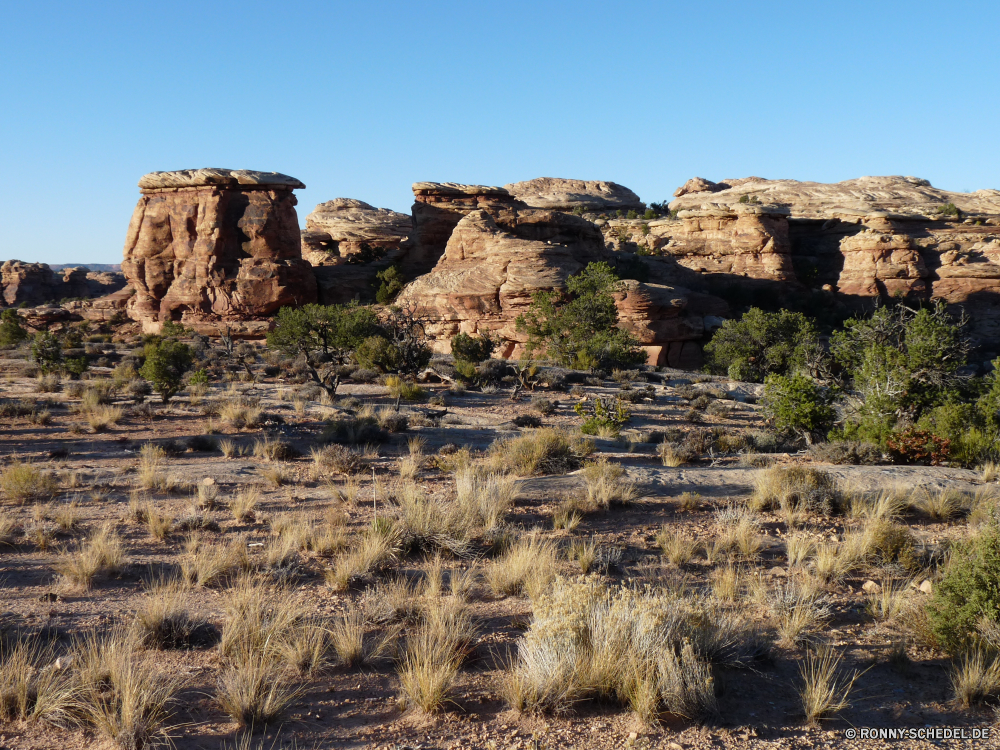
(968,591)
(472,349)
(378,353)
(761,344)
(46,352)
(799,404)
(603,415)
(391,286)
(579,327)
(11,332)
(324,336)
(165,365)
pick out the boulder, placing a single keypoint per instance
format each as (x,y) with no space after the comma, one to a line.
(337,229)
(555,194)
(437,209)
(700,185)
(215,248)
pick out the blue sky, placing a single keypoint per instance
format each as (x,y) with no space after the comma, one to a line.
(361,100)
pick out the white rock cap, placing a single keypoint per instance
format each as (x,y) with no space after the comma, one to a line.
(213,176)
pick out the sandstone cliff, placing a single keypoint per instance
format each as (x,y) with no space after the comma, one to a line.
(36,284)
(213,248)
(575,195)
(489,271)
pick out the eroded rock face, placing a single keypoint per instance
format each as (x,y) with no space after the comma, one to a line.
(557,194)
(489,271)
(337,229)
(37,284)
(873,237)
(215,248)
(437,209)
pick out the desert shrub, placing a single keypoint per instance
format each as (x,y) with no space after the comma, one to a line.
(11,332)
(543,406)
(799,404)
(969,590)
(647,649)
(579,328)
(527,420)
(542,451)
(391,285)
(916,446)
(405,389)
(166,363)
(761,344)
(354,431)
(323,337)
(796,487)
(22,481)
(603,415)
(898,360)
(46,352)
(472,349)
(851,452)
(398,345)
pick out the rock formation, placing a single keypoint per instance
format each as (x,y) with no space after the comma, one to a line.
(337,229)
(36,284)
(215,248)
(437,209)
(858,240)
(489,271)
(557,194)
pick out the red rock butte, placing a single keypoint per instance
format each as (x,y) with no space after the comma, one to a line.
(215,249)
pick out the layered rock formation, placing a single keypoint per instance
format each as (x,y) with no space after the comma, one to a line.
(555,194)
(215,248)
(489,271)
(437,209)
(36,284)
(873,237)
(337,229)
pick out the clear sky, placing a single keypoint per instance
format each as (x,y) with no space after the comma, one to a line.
(362,99)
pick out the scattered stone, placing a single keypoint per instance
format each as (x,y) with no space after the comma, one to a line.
(870,587)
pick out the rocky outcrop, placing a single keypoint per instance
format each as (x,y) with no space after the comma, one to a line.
(215,248)
(36,284)
(489,272)
(437,209)
(592,196)
(337,229)
(858,240)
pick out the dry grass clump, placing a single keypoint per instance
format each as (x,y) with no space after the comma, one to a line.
(272,449)
(30,692)
(671,455)
(527,567)
(798,549)
(975,677)
(102,553)
(940,505)
(335,458)
(542,451)
(485,496)
(606,485)
(370,552)
(163,620)
(644,648)
(241,411)
(243,504)
(206,564)
(159,523)
(433,654)
(265,632)
(824,688)
(794,487)
(123,694)
(989,471)
(738,530)
(275,476)
(404,389)
(678,548)
(21,481)
(100,418)
(890,599)
(150,474)
(797,610)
